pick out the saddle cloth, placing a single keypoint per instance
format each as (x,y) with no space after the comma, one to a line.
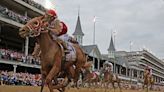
(72,52)
(94,75)
(71,56)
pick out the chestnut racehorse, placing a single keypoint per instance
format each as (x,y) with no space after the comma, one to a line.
(52,54)
(109,77)
(90,77)
(148,80)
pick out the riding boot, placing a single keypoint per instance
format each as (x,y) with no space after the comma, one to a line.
(64,44)
(37,51)
(65,47)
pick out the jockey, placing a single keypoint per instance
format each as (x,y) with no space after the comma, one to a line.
(63,34)
(108,66)
(51,21)
(53,24)
(149,70)
(58,28)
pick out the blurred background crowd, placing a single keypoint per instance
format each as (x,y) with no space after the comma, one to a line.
(7,54)
(10,78)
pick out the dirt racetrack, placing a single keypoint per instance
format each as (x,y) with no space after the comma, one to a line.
(37,89)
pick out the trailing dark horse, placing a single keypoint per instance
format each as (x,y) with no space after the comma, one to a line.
(109,77)
(52,55)
(148,81)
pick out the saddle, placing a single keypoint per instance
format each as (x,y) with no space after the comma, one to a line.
(71,56)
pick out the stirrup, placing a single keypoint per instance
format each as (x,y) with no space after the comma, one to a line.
(66,51)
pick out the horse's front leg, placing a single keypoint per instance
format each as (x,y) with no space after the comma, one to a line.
(113,86)
(105,86)
(53,73)
(119,85)
(43,77)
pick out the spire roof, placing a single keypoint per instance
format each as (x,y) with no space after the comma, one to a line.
(111,46)
(78,29)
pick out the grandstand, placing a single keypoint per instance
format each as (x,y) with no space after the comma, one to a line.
(13,14)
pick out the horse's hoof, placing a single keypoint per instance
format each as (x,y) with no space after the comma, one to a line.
(60,90)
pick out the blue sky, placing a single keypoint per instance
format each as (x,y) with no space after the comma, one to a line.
(138,21)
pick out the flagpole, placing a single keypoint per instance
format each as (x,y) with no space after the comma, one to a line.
(94,29)
(131,46)
(114,36)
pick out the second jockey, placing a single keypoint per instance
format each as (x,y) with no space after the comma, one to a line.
(108,66)
(149,70)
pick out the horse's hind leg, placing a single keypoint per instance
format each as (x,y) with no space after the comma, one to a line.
(77,73)
(71,71)
(147,88)
(143,86)
(61,90)
(151,86)
(113,86)
(119,86)
(106,87)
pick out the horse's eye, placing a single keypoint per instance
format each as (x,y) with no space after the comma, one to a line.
(35,23)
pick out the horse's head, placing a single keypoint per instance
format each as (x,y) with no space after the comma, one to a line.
(147,71)
(32,28)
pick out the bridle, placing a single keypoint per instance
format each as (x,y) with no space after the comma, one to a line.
(36,29)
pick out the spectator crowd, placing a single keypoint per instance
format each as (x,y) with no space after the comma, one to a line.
(5,12)
(11,55)
(10,78)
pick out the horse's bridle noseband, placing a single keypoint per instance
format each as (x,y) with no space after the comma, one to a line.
(37,28)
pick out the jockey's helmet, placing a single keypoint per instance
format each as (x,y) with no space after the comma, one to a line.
(110,64)
(147,68)
(51,13)
(64,28)
(106,62)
